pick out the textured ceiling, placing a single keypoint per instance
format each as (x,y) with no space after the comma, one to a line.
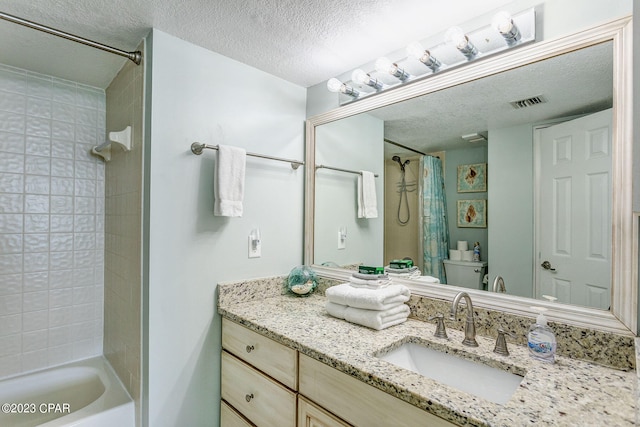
(302,41)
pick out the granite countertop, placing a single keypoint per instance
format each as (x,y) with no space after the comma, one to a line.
(568,393)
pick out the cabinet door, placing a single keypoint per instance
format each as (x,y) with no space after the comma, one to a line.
(261,400)
(229,417)
(310,415)
(274,359)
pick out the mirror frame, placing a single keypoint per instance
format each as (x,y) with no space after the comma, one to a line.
(622,317)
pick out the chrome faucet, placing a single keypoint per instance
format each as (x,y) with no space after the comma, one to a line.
(470,326)
(498,285)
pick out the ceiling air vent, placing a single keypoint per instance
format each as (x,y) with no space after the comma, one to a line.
(528,102)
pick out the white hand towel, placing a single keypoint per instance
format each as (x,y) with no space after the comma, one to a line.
(369,284)
(379,299)
(367,203)
(374,319)
(229,181)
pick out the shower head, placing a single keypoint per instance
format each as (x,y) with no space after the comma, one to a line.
(400,162)
(396,159)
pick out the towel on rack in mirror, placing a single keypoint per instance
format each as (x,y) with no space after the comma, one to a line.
(229,181)
(367,203)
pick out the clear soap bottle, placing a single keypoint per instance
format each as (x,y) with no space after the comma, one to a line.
(541,339)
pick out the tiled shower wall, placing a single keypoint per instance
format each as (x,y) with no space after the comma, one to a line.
(123,232)
(51,221)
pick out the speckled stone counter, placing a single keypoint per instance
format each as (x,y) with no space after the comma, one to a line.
(568,393)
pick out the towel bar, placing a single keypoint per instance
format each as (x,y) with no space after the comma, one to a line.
(197,148)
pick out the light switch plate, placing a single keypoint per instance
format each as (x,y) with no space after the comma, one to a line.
(255,251)
(342,243)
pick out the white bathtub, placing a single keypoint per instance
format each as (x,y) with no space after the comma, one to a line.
(81,394)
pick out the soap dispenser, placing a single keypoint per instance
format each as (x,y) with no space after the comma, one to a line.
(541,339)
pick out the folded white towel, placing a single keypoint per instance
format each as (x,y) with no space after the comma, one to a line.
(365,276)
(369,284)
(374,319)
(229,181)
(367,203)
(427,279)
(379,299)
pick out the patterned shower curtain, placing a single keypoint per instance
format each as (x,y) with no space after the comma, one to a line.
(435,227)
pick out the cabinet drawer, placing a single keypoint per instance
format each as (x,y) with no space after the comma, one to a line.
(356,402)
(310,415)
(272,358)
(261,400)
(229,417)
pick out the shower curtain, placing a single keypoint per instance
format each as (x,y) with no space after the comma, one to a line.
(435,227)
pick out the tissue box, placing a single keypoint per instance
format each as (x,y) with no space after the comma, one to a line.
(370,270)
(401,263)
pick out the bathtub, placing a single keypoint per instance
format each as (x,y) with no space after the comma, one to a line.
(81,394)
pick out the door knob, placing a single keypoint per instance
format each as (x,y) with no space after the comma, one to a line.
(547,266)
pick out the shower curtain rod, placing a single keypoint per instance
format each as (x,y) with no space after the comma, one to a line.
(405,147)
(136,56)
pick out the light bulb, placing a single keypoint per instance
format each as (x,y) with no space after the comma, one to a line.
(360,77)
(502,22)
(384,65)
(457,37)
(415,50)
(334,85)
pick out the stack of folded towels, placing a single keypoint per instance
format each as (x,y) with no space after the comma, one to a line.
(369,300)
(407,273)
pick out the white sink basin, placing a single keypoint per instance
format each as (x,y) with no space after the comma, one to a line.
(465,375)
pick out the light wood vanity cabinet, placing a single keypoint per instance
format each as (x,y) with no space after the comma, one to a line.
(265,383)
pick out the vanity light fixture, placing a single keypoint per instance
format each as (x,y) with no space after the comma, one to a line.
(335,85)
(461,41)
(417,51)
(360,77)
(384,65)
(503,23)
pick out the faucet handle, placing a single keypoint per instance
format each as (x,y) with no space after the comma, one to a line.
(501,342)
(441,330)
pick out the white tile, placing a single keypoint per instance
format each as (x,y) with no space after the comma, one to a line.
(36,203)
(63,112)
(98,274)
(11,244)
(84,241)
(84,170)
(62,130)
(61,223)
(62,167)
(83,259)
(12,163)
(61,261)
(63,92)
(62,297)
(35,301)
(38,281)
(10,122)
(39,86)
(11,182)
(61,204)
(36,223)
(60,354)
(62,186)
(87,116)
(11,203)
(37,184)
(100,170)
(100,189)
(37,126)
(84,223)
(37,165)
(34,360)
(35,320)
(62,149)
(61,242)
(13,81)
(85,348)
(10,325)
(60,279)
(36,261)
(83,151)
(99,240)
(83,331)
(11,264)
(36,242)
(11,223)
(85,206)
(11,142)
(13,102)
(10,284)
(90,97)
(60,317)
(39,107)
(10,365)
(38,145)
(35,340)
(10,344)
(86,134)
(10,304)
(83,295)
(83,277)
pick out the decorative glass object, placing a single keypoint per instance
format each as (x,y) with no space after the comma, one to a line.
(302,281)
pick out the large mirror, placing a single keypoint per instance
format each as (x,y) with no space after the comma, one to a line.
(525,111)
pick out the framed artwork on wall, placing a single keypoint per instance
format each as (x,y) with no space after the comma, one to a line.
(472,178)
(472,213)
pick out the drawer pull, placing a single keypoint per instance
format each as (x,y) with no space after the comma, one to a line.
(250,348)
(248,397)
